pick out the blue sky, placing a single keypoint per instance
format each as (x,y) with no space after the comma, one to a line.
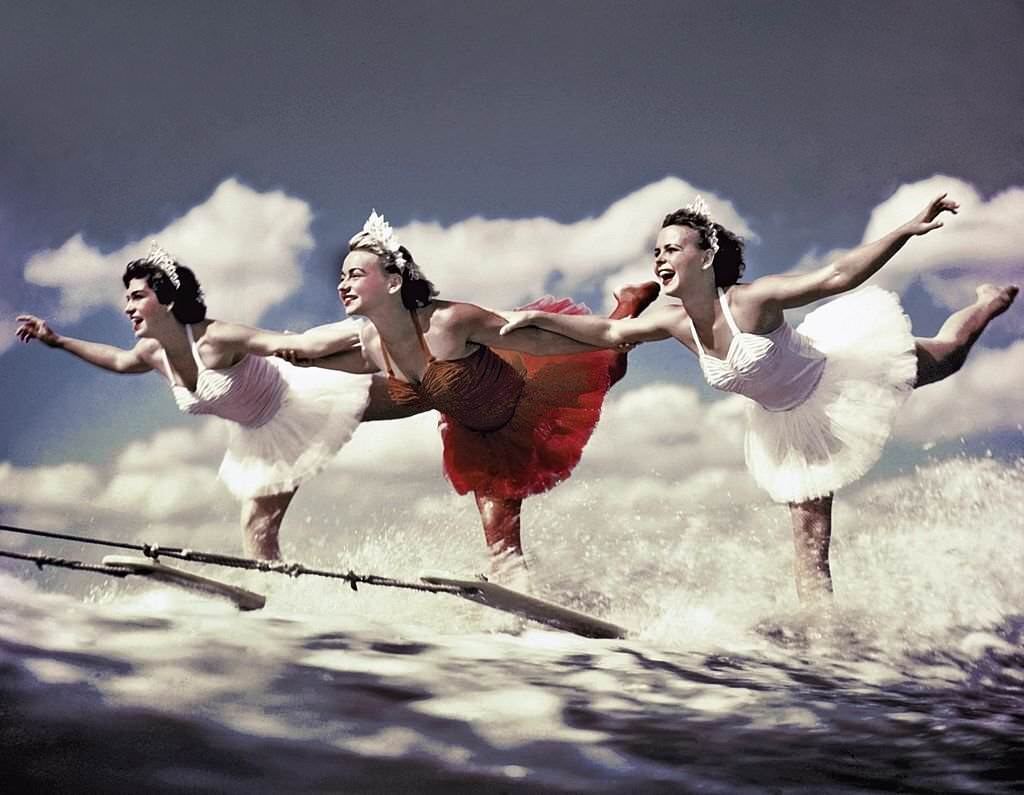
(518,148)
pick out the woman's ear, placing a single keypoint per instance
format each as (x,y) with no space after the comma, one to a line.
(394,283)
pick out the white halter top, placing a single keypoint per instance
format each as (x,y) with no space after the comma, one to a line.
(249,392)
(778,370)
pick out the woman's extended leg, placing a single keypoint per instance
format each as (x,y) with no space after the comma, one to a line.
(812,532)
(261,522)
(501,520)
(942,355)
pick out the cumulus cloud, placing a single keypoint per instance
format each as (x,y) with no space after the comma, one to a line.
(658,448)
(7,326)
(666,430)
(508,261)
(194,445)
(394,449)
(983,242)
(984,397)
(65,485)
(237,237)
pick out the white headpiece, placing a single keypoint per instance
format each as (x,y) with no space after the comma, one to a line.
(165,262)
(700,209)
(381,233)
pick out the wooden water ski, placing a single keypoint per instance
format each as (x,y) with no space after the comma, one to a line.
(242,599)
(500,598)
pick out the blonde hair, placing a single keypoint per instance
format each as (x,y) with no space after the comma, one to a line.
(417,289)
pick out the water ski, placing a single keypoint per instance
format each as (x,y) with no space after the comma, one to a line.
(501,598)
(242,599)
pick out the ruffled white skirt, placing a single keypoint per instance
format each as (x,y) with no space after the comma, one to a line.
(837,434)
(320,410)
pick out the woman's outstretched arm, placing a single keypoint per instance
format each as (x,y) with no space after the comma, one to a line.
(316,343)
(483,326)
(349,362)
(853,268)
(106,357)
(601,332)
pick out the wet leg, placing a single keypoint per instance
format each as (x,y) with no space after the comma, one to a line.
(940,356)
(261,523)
(812,533)
(501,520)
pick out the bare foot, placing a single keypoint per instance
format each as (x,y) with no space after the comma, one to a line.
(635,298)
(996,299)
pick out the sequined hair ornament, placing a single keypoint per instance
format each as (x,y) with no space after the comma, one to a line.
(380,233)
(165,262)
(702,214)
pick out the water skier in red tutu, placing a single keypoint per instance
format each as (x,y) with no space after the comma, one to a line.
(516,411)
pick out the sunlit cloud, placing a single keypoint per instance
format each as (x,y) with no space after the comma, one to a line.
(984,397)
(665,429)
(504,262)
(60,486)
(7,326)
(238,236)
(982,243)
(659,450)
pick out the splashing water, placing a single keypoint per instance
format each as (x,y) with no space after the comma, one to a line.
(912,680)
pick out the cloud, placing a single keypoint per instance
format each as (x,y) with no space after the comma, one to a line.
(170,475)
(503,262)
(659,447)
(982,243)
(666,430)
(984,397)
(195,445)
(7,326)
(393,449)
(61,486)
(236,237)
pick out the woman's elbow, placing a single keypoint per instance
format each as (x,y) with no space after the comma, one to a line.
(839,280)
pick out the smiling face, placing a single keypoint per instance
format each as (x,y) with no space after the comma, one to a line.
(143,308)
(365,284)
(677,255)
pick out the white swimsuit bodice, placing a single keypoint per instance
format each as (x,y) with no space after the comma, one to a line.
(778,370)
(249,392)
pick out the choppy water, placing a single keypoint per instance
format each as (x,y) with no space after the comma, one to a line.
(913,683)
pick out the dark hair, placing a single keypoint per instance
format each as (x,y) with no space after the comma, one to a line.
(728,263)
(187,297)
(417,289)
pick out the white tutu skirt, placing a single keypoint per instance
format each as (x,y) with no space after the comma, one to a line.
(837,434)
(319,412)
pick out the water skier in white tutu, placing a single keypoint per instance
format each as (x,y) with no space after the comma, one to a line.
(825,395)
(286,423)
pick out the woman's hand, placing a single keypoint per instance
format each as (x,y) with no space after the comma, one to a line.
(515,319)
(924,222)
(33,327)
(293,357)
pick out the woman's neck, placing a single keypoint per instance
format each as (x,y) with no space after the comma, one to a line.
(173,338)
(393,322)
(700,301)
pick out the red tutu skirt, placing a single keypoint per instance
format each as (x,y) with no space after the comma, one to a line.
(555,403)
